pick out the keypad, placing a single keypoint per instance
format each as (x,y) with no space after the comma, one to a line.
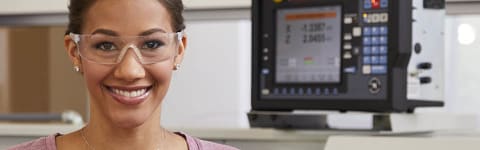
(375,49)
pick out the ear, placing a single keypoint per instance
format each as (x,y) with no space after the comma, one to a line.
(180,51)
(72,52)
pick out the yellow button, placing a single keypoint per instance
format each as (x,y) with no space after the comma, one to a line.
(277,1)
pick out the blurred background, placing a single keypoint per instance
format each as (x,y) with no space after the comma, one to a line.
(212,89)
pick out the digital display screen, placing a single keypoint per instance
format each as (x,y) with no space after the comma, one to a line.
(308,45)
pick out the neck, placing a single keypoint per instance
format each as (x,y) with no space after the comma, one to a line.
(102,134)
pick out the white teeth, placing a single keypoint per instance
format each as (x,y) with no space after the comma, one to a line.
(135,93)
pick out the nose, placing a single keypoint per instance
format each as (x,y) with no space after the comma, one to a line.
(129,68)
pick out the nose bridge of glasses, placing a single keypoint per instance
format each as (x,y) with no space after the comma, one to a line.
(135,50)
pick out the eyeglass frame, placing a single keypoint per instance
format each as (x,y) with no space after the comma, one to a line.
(76,39)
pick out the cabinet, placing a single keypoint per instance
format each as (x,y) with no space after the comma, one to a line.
(36,74)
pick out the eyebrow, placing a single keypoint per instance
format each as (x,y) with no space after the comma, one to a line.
(151,31)
(113,33)
(105,31)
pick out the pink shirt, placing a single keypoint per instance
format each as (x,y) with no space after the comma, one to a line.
(48,143)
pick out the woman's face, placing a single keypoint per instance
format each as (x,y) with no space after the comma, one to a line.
(128,93)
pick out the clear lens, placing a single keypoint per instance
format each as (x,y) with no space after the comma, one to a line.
(105,49)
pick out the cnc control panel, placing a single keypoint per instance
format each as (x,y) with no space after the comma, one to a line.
(338,54)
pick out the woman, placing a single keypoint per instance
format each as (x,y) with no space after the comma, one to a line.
(126,51)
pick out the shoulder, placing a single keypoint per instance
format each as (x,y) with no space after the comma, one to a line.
(197,144)
(43,143)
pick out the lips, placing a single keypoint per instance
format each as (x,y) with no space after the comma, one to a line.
(129,95)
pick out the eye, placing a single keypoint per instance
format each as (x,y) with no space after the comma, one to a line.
(152,45)
(106,46)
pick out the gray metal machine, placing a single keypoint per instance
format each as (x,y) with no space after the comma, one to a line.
(362,55)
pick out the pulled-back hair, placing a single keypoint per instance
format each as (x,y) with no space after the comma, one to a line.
(78,8)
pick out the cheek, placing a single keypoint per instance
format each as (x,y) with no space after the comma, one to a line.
(161,73)
(94,74)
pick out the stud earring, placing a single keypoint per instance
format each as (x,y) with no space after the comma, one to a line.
(176,67)
(76,68)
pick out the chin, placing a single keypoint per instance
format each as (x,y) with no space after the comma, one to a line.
(130,119)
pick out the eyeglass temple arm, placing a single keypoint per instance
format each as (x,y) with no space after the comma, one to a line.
(180,35)
(75,37)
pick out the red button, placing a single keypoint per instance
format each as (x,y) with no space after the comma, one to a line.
(375,4)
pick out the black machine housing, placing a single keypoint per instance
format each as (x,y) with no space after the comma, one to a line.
(361,85)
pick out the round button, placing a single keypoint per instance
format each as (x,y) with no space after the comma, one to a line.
(265,50)
(374,85)
(417,48)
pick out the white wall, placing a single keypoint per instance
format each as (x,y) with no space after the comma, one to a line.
(212,88)
(462,70)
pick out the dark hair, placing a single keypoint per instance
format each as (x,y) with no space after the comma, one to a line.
(78,8)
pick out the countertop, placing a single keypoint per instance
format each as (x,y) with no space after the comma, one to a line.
(44,129)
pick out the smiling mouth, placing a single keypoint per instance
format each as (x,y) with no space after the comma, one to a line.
(131,95)
(134,92)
